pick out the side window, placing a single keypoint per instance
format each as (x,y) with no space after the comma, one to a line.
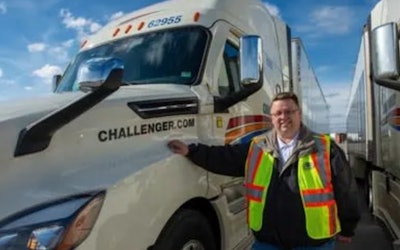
(228,79)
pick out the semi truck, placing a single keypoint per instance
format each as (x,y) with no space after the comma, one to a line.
(314,106)
(87,166)
(373,115)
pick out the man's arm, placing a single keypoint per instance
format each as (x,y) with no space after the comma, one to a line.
(226,160)
(346,191)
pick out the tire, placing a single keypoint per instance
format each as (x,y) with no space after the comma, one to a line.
(368,189)
(187,230)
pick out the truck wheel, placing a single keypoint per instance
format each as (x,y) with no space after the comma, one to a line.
(368,189)
(187,230)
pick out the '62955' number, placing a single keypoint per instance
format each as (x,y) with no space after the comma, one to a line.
(164,21)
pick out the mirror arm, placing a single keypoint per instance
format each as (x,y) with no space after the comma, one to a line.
(393,84)
(37,136)
(222,103)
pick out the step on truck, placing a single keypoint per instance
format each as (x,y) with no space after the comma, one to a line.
(87,166)
(373,115)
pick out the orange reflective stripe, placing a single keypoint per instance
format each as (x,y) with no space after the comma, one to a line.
(249,156)
(253,163)
(327,163)
(314,158)
(318,190)
(252,186)
(259,156)
(321,160)
(332,218)
(254,192)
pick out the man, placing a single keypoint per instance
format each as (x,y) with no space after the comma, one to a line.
(300,189)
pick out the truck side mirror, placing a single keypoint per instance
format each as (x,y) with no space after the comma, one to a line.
(251,72)
(93,73)
(55,82)
(385,56)
(251,60)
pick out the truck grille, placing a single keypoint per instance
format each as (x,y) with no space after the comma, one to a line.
(165,107)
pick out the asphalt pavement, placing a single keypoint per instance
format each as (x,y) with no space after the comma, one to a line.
(370,233)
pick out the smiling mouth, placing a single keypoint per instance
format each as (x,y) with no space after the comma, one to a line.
(284,122)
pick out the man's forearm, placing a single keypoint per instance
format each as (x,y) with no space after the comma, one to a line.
(225,160)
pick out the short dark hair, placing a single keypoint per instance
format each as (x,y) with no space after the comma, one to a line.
(286,96)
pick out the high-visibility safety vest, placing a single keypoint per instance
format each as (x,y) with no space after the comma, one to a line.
(314,180)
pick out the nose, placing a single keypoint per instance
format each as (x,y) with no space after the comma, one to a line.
(286,113)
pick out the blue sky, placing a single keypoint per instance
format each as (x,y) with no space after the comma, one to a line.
(39,38)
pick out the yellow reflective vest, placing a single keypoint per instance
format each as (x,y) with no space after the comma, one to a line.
(314,179)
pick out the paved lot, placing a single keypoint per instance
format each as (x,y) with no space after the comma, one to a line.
(370,235)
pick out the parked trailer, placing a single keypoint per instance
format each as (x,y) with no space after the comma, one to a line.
(373,114)
(315,109)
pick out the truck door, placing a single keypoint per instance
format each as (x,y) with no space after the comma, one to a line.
(230,188)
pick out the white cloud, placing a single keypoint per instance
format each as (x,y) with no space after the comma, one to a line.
(323,69)
(47,72)
(68,43)
(94,27)
(58,52)
(3,8)
(82,25)
(327,20)
(273,9)
(73,22)
(116,15)
(36,47)
(7,82)
(333,19)
(1,72)
(61,52)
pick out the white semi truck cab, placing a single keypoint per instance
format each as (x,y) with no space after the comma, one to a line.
(385,59)
(87,167)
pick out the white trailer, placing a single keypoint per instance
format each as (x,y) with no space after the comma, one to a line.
(87,166)
(315,109)
(373,114)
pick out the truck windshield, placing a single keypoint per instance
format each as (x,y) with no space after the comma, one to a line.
(168,56)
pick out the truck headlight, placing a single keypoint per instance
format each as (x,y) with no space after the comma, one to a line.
(60,225)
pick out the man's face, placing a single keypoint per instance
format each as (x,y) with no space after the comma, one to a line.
(286,118)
